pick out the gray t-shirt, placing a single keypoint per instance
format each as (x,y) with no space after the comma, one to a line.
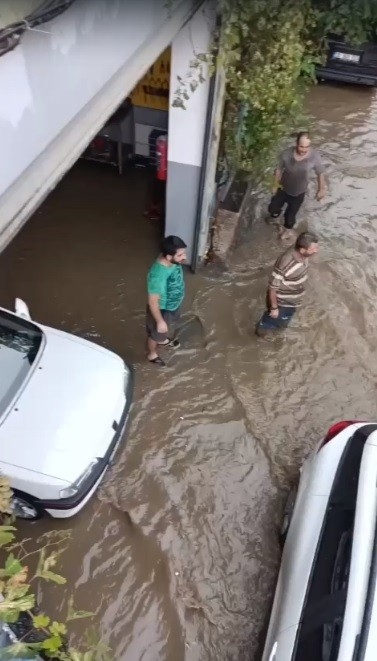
(295,174)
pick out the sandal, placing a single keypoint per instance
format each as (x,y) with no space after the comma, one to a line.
(157,361)
(174,344)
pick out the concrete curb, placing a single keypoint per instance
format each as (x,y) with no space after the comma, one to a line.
(226,225)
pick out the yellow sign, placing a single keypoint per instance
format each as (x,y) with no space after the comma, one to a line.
(153,90)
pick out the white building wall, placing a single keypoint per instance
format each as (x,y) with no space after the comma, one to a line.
(187,127)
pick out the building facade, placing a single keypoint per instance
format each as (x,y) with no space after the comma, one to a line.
(64,77)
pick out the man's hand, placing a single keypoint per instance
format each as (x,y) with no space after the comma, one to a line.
(162,327)
(320,194)
(154,306)
(274,313)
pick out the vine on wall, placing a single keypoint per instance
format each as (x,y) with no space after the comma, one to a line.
(262,52)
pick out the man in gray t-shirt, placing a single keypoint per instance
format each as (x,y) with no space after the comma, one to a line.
(292,178)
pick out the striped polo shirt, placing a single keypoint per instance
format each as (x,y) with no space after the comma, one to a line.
(288,278)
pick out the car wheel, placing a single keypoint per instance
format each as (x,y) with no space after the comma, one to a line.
(287,516)
(25,508)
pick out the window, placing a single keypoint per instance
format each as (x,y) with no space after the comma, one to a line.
(20,342)
(321,625)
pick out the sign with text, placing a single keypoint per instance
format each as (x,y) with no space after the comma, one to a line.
(153,90)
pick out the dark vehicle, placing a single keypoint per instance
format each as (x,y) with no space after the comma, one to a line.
(348,64)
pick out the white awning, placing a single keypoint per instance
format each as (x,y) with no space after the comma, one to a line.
(59,86)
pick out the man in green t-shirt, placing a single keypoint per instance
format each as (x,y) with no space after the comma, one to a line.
(166,291)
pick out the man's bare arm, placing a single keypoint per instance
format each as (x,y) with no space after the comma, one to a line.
(273,297)
(274,308)
(321,186)
(154,306)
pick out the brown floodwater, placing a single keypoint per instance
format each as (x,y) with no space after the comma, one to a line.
(178,554)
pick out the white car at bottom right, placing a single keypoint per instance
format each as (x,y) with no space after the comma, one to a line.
(325,604)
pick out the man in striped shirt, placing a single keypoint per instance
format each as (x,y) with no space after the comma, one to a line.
(286,287)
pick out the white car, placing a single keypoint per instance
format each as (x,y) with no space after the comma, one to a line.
(325,605)
(64,404)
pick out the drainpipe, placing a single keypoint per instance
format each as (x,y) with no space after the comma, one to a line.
(207,185)
(203,173)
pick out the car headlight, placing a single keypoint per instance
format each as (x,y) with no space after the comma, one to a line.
(74,488)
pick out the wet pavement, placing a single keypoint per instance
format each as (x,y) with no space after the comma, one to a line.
(178,555)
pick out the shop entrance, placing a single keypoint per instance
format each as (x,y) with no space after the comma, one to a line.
(85,252)
(135,138)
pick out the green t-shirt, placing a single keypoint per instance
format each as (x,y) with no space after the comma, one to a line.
(168,283)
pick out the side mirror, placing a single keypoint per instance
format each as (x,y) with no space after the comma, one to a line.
(22,309)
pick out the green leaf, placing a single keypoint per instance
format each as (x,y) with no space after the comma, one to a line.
(12,565)
(20,650)
(18,592)
(41,621)
(11,616)
(75,655)
(51,576)
(88,656)
(8,528)
(78,615)
(50,561)
(58,629)
(52,644)
(5,538)
(20,604)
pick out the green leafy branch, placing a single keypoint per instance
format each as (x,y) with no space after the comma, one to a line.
(46,638)
(269,50)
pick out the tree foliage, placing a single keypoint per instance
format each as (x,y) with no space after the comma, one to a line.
(355,21)
(40,635)
(268,50)
(262,52)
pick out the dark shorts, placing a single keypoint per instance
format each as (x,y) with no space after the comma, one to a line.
(171,318)
(268,323)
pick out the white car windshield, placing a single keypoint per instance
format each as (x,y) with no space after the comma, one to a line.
(20,341)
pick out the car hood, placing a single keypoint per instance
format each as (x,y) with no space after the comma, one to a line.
(63,417)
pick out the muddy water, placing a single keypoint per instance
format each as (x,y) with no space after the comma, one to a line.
(178,556)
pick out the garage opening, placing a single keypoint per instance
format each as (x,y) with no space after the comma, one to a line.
(85,252)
